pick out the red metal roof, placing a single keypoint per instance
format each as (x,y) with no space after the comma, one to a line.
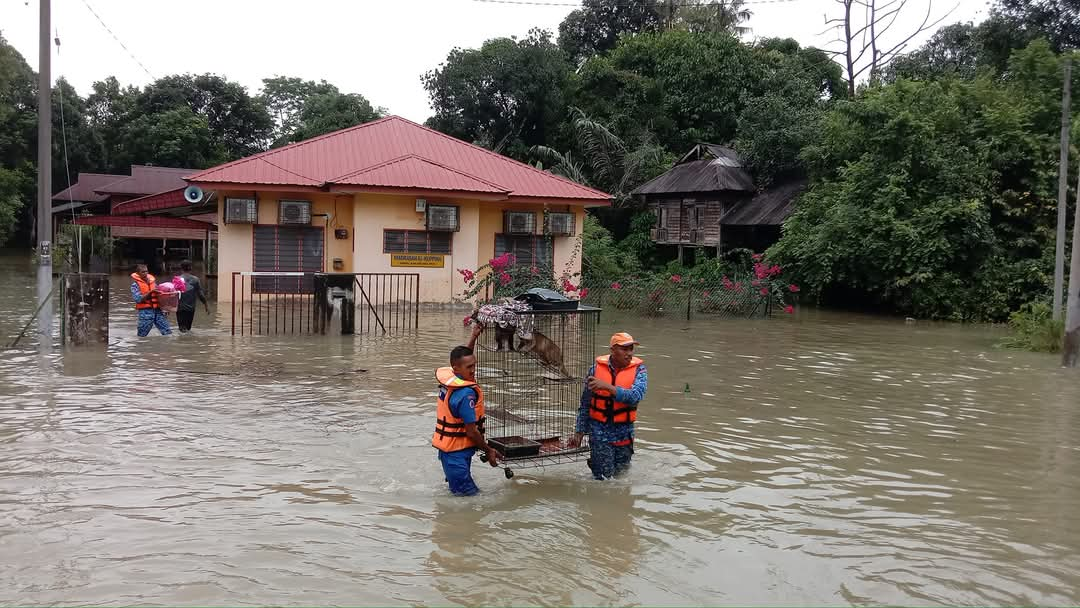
(415,172)
(156,221)
(161,200)
(397,153)
(83,190)
(147,180)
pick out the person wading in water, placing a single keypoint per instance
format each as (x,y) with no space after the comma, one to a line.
(459,419)
(144,292)
(615,386)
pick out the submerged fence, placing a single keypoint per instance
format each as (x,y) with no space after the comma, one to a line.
(283,303)
(678,297)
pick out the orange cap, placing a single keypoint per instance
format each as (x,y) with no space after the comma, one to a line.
(623,339)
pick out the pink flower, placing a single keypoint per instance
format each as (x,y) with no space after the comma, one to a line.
(789,309)
(755,283)
(676,278)
(466,274)
(793,288)
(501,262)
(534,270)
(467,320)
(706,295)
(568,286)
(616,286)
(505,278)
(775,270)
(764,291)
(760,271)
(757,257)
(584,291)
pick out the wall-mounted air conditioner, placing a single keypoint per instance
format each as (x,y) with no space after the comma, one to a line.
(442,218)
(294,213)
(519,222)
(560,224)
(241,211)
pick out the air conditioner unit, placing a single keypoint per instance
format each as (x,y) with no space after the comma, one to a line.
(421,205)
(561,224)
(241,211)
(294,212)
(442,218)
(519,222)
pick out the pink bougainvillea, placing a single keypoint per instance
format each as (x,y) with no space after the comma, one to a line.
(793,288)
(789,309)
(616,286)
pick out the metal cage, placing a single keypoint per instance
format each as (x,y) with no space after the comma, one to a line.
(532,390)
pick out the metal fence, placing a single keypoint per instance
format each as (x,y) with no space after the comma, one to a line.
(283,303)
(688,298)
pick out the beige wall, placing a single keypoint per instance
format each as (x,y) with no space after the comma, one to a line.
(370,214)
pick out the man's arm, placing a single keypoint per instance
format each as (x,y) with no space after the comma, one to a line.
(136,293)
(476,331)
(463,405)
(581,426)
(635,393)
(199,291)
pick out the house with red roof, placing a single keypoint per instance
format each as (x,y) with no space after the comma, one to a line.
(100,199)
(391,196)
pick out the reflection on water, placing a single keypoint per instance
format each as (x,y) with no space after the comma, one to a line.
(827,459)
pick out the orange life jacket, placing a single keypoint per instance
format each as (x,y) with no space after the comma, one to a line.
(146,287)
(603,406)
(449,429)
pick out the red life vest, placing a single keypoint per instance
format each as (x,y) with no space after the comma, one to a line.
(145,287)
(603,406)
(449,429)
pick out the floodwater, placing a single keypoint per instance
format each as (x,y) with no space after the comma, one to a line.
(822,459)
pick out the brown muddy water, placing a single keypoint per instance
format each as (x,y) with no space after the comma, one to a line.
(821,459)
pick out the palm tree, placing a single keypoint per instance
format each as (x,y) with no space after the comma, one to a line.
(608,163)
(714,16)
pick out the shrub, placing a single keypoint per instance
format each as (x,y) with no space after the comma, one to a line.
(1033,328)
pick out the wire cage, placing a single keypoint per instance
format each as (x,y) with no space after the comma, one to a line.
(532,385)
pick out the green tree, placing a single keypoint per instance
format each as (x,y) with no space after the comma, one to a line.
(504,96)
(933,198)
(684,87)
(713,17)
(13,196)
(109,108)
(1056,20)
(173,138)
(18,137)
(595,28)
(796,88)
(284,99)
(239,125)
(328,112)
(73,140)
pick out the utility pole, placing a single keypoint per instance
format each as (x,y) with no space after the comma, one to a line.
(1071,351)
(1063,189)
(44,207)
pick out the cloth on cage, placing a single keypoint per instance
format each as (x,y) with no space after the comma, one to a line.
(166,287)
(507,313)
(179,284)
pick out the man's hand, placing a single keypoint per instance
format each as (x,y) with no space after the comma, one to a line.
(492,456)
(575,441)
(477,329)
(600,385)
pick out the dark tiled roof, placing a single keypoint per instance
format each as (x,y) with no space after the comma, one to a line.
(768,208)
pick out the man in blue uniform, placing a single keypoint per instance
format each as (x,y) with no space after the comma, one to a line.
(459,421)
(615,386)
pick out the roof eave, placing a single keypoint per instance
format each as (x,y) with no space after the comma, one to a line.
(414,191)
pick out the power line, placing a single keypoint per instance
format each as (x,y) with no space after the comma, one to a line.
(687,3)
(130,54)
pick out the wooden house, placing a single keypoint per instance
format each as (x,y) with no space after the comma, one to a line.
(709,199)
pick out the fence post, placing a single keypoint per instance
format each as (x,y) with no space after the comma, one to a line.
(689,298)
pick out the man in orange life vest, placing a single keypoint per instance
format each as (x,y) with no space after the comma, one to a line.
(459,422)
(615,386)
(144,292)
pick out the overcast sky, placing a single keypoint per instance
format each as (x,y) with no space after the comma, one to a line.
(376,48)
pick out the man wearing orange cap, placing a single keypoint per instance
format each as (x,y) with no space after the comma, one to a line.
(615,386)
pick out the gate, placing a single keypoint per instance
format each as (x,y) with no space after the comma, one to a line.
(283,303)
